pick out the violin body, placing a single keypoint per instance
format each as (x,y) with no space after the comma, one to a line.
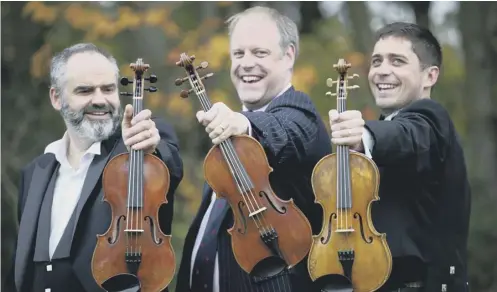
(157,261)
(358,253)
(293,231)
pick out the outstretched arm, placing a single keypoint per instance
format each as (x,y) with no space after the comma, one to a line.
(418,136)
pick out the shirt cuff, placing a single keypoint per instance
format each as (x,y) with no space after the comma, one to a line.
(368,143)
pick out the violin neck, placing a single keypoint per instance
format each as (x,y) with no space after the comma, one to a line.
(136,157)
(344,193)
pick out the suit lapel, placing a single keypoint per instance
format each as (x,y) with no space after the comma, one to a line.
(92,177)
(27,229)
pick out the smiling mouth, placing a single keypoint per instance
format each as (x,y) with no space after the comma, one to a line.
(251,79)
(384,87)
(99,114)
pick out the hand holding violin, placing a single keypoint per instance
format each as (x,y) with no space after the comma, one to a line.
(347,128)
(139,132)
(221,122)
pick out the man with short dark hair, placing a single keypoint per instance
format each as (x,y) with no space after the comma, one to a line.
(424,205)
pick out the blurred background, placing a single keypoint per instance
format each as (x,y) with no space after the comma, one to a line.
(159,31)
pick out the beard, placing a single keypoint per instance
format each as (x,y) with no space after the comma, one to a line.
(87,129)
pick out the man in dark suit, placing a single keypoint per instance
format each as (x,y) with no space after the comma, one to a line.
(424,205)
(264,45)
(60,202)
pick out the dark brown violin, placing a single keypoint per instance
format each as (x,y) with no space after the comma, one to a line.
(345,184)
(135,185)
(268,234)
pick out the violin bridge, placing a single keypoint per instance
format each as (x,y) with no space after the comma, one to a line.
(257,212)
(345,230)
(134,230)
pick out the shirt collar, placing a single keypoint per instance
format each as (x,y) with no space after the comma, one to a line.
(59,148)
(264,107)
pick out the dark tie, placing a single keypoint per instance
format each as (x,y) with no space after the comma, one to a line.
(203,268)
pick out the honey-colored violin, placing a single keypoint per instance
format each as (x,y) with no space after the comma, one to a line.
(268,234)
(348,251)
(135,185)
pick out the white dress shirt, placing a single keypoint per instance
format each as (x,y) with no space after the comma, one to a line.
(68,185)
(203,224)
(367,139)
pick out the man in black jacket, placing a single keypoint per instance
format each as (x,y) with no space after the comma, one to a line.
(424,205)
(61,210)
(263,46)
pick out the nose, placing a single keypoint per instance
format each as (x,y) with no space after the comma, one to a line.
(383,69)
(247,62)
(99,97)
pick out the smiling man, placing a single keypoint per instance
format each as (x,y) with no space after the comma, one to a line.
(60,203)
(424,205)
(264,45)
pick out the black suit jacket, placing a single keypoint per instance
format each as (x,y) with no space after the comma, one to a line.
(424,205)
(294,138)
(93,215)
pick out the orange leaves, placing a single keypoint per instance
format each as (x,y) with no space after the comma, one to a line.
(304,78)
(219,95)
(216,51)
(356,59)
(81,18)
(40,12)
(179,106)
(156,16)
(40,61)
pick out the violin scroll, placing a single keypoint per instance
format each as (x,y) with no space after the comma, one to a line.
(195,80)
(139,67)
(341,67)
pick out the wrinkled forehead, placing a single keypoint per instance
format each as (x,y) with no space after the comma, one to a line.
(255,30)
(90,69)
(393,46)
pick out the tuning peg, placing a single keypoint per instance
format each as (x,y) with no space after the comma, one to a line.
(180,81)
(125,81)
(208,75)
(126,94)
(352,87)
(203,65)
(152,78)
(151,89)
(331,94)
(330,82)
(184,93)
(353,76)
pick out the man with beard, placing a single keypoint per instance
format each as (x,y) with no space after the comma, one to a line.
(60,203)
(264,45)
(425,197)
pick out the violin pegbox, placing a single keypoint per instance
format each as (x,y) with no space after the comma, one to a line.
(341,67)
(192,76)
(139,67)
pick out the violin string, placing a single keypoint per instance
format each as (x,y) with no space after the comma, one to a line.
(259,216)
(140,198)
(345,162)
(238,172)
(136,174)
(206,104)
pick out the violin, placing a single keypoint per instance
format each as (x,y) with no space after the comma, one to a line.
(135,186)
(348,247)
(268,234)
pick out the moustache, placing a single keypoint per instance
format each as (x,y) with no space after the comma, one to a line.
(99,108)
